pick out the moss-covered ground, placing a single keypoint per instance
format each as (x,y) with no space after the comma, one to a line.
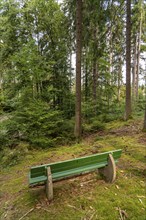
(86,197)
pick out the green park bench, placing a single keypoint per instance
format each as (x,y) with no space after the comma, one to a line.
(49,173)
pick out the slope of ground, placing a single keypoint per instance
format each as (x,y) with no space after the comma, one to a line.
(85,197)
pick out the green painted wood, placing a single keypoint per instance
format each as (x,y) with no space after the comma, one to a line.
(64,169)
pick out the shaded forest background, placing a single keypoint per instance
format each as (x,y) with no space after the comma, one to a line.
(37,85)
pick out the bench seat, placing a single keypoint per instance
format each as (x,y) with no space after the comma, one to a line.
(67,173)
(105,162)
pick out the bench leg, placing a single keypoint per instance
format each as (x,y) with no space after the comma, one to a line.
(109,172)
(49,185)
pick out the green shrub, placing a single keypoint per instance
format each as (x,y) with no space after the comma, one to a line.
(39,125)
(86,127)
(11,157)
(94,125)
(110,116)
(97,125)
(4,138)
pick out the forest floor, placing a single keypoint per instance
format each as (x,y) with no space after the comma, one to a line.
(86,197)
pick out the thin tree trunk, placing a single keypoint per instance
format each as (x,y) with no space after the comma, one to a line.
(134,72)
(119,78)
(144,126)
(95,70)
(128,61)
(94,80)
(1,84)
(78,68)
(86,81)
(138,55)
(70,74)
(111,57)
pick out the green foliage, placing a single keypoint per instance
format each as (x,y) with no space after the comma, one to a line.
(34,52)
(97,125)
(11,157)
(37,124)
(111,116)
(37,77)
(92,125)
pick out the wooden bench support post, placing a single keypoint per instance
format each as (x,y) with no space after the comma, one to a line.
(109,172)
(49,185)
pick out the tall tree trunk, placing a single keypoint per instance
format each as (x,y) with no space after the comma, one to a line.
(128,61)
(144,126)
(119,79)
(1,84)
(86,80)
(111,81)
(134,71)
(138,52)
(78,67)
(94,81)
(95,75)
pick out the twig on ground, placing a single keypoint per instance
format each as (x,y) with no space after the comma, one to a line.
(92,216)
(89,181)
(141,196)
(26,214)
(45,210)
(123,214)
(71,206)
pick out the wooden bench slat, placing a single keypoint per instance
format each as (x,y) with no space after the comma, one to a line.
(49,173)
(67,168)
(38,179)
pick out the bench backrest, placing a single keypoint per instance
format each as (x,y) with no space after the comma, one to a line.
(100,159)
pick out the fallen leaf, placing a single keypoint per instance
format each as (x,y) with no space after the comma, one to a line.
(140,201)
(91,207)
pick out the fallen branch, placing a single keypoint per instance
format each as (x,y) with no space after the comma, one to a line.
(26,214)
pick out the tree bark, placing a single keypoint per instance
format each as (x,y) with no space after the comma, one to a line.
(134,71)
(111,57)
(128,61)
(94,70)
(86,81)
(78,67)
(144,126)
(1,84)
(119,79)
(94,81)
(138,54)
